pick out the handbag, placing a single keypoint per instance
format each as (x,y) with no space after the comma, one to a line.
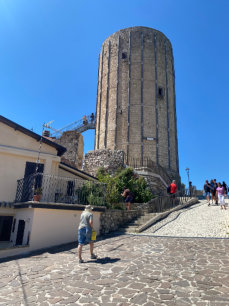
(93,235)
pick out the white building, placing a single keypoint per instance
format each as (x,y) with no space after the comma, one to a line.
(26,225)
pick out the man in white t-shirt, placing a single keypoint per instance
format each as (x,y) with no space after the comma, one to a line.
(85,231)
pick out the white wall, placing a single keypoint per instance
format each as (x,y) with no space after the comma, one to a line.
(47,227)
(56,226)
(16,149)
(7,211)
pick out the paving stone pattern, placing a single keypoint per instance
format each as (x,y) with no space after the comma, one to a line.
(199,220)
(132,270)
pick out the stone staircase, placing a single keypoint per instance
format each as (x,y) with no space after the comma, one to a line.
(133,226)
(154,213)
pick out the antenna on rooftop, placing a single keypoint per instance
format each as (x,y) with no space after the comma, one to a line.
(48,126)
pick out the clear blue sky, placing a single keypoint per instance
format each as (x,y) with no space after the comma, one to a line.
(49,60)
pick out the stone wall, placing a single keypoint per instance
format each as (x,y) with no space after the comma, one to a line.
(108,159)
(112,220)
(158,204)
(73,142)
(157,181)
(155,184)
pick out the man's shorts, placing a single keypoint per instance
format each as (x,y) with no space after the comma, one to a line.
(207,194)
(129,199)
(84,235)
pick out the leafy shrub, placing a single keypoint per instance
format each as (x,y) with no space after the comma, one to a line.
(143,194)
(92,193)
(124,178)
(108,191)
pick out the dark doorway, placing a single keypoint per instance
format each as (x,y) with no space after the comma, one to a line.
(20,232)
(5,227)
(30,168)
(31,180)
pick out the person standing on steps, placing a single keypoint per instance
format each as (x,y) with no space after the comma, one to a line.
(173,191)
(206,191)
(220,193)
(85,232)
(128,197)
(212,190)
(215,185)
(225,187)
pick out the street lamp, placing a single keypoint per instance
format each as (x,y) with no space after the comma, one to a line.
(187,170)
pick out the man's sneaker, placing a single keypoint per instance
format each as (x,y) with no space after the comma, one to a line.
(81,261)
(93,256)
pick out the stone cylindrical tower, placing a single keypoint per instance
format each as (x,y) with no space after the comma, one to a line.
(136,108)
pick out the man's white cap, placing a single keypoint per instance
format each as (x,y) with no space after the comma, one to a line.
(88,207)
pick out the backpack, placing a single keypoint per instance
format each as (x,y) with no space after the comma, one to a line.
(168,189)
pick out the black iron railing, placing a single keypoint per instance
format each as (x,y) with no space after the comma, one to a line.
(56,189)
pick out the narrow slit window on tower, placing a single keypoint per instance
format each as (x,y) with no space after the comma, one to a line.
(124,55)
(161,92)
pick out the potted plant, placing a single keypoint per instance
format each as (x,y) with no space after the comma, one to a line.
(37,194)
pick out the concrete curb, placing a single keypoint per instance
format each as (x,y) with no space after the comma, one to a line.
(165,214)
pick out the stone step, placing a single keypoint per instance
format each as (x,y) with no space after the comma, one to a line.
(133,226)
(140,221)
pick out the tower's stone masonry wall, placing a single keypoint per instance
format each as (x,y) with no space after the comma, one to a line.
(134,64)
(108,159)
(73,142)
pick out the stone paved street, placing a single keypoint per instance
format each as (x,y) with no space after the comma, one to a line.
(198,220)
(132,270)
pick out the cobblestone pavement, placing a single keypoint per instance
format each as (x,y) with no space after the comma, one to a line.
(132,270)
(199,220)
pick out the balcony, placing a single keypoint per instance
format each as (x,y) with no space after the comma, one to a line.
(57,189)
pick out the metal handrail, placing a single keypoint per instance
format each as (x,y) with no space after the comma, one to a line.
(85,123)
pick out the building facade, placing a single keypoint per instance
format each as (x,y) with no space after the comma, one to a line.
(26,224)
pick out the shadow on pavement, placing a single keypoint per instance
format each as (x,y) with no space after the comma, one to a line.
(69,247)
(104,260)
